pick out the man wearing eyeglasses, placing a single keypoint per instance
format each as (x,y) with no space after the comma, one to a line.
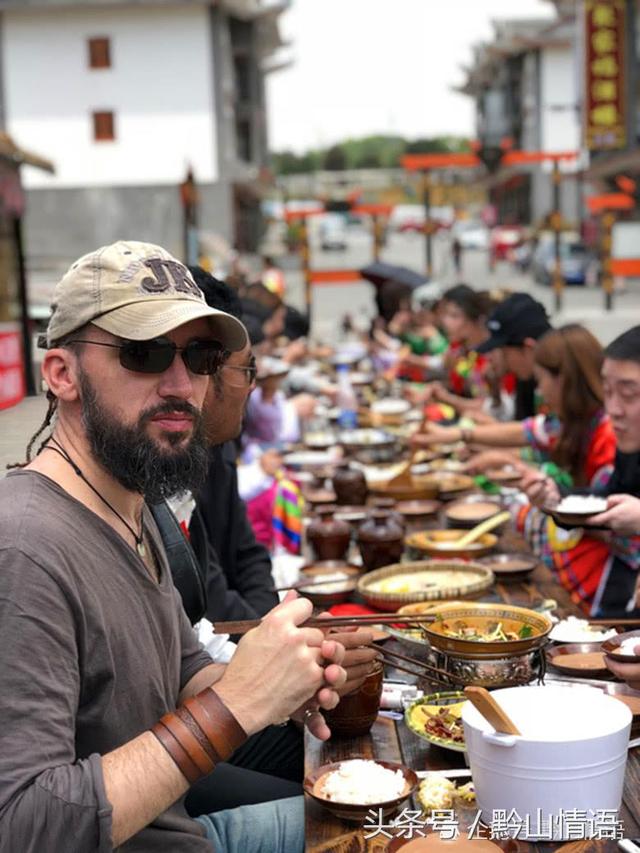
(110,707)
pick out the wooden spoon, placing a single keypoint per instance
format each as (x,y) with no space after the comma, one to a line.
(484,527)
(490,710)
(403,477)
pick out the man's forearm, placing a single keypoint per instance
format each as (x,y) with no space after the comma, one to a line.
(141,781)
(206,677)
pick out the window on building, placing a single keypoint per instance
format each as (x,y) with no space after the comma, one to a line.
(104,127)
(99,53)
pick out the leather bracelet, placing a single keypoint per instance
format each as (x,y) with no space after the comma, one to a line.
(180,757)
(217,722)
(189,742)
(199,734)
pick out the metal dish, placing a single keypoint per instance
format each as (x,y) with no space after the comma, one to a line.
(483,616)
(385,588)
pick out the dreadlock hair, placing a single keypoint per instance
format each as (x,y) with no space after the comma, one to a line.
(68,342)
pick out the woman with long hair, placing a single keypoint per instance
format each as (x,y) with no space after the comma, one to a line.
(575,445)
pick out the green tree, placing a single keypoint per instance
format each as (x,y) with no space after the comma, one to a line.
(335,159)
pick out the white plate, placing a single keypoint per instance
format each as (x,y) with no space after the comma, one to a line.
(308,458)
(390,406)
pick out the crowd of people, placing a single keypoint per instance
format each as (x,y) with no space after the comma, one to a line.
(155,495)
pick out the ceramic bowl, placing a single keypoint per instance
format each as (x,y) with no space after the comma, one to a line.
(442,543)
(612,645)
(418,713)
(467,514)
(580,660)
(510,568)
(337,592)
(358,811)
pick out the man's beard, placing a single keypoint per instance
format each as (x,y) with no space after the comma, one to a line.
(134,459)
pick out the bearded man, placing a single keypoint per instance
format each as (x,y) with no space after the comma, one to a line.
(110,707)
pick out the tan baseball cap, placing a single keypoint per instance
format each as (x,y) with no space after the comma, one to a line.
(136,291)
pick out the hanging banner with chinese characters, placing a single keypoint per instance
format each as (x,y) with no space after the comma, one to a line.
(604,91)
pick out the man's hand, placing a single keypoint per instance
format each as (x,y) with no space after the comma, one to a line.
(538,487)
(279,666)
(622,515)
(357,663)
(305,405)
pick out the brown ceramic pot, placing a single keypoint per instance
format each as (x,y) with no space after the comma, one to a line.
(356,712)
(329,537)
(350,486)
(381,540)
(389,505)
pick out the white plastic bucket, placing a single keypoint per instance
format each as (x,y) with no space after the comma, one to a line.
(571,756)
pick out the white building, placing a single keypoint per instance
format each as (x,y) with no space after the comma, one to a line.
(125,97)
(527,92)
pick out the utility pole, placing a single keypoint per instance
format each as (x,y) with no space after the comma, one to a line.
(426,200)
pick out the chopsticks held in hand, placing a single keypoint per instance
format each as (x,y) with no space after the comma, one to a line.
(241,626)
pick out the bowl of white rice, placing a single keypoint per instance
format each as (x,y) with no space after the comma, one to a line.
(350,789)
(622,647)
(576,510)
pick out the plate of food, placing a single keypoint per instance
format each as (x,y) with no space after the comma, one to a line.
(423,580)
(578,659)
(575,630)
(476,630)
(390,406)
(576,510)
(413,635)
(437,718)
(365,437)
(350,789)
(308,459)
(622,647)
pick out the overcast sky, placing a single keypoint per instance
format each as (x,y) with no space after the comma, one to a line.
(379,66)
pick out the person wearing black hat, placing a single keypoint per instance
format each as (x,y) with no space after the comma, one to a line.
(515,326)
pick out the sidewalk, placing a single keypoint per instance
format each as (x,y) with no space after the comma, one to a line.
(17,425)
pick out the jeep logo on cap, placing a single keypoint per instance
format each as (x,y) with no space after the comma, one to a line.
(494,325)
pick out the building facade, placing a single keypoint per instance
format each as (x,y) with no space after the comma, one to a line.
(526,93)
(129,96)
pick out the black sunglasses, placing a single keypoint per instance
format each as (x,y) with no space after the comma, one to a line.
(156,355)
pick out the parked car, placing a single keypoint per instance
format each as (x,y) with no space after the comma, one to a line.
(575,261)
(333,232)
(470,234)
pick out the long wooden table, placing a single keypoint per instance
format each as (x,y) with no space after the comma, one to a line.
(391,740)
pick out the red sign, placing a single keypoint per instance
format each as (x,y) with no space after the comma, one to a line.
(12,386)
(604,103)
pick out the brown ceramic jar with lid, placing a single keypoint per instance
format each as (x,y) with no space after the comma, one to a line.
(329,537)
(381,540)
(389,505)
(350,485)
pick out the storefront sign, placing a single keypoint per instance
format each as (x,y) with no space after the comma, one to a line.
(604,102)
(12,385)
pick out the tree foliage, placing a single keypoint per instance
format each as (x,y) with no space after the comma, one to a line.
(369,152)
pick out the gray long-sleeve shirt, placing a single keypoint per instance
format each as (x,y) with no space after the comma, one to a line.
(92,653)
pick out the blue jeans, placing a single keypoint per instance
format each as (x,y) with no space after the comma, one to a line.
(275,827)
